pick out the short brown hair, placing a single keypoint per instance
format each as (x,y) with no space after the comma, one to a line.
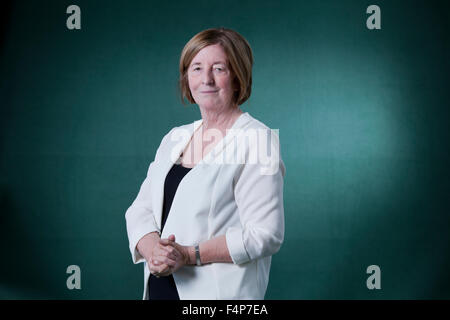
(239,54)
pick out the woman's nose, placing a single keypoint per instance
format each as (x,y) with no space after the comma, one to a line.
(207,78)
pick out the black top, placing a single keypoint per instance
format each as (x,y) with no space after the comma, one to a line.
(164,288)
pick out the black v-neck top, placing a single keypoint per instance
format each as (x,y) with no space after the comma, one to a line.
(173,179)
(164,288)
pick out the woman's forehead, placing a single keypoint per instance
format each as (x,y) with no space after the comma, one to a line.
(212,54)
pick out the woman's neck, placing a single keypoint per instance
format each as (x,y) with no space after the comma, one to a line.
(221,120)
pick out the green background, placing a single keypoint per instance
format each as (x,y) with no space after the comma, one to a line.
(364,128)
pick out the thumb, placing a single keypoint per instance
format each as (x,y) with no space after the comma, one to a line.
(172,237)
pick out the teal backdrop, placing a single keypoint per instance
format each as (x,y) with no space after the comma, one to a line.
(364,128)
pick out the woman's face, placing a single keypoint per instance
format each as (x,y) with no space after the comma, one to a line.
(210,79)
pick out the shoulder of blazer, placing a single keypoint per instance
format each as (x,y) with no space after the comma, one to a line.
(255,124)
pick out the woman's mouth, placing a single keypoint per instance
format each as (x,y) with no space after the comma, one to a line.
(210,91)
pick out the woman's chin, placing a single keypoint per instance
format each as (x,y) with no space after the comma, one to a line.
(208,105)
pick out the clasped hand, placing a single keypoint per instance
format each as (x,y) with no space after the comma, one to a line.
(167,257)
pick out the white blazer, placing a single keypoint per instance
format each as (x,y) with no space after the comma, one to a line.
(220,195)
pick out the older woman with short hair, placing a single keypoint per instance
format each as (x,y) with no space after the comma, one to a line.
(206,229)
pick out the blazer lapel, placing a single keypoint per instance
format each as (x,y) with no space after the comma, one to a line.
(164,164)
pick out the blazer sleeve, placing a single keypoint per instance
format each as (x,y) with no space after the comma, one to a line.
(259,198)
(139,217)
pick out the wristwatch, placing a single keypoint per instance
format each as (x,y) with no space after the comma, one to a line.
(197,254)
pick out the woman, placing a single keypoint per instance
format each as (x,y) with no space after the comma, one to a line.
(206,224)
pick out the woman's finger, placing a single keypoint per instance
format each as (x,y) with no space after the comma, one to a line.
(158,252)
(158,269)
(172,252)
(171,245)
(165,242)
(161,260)
(165,247)
(158,264)
(154,270)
